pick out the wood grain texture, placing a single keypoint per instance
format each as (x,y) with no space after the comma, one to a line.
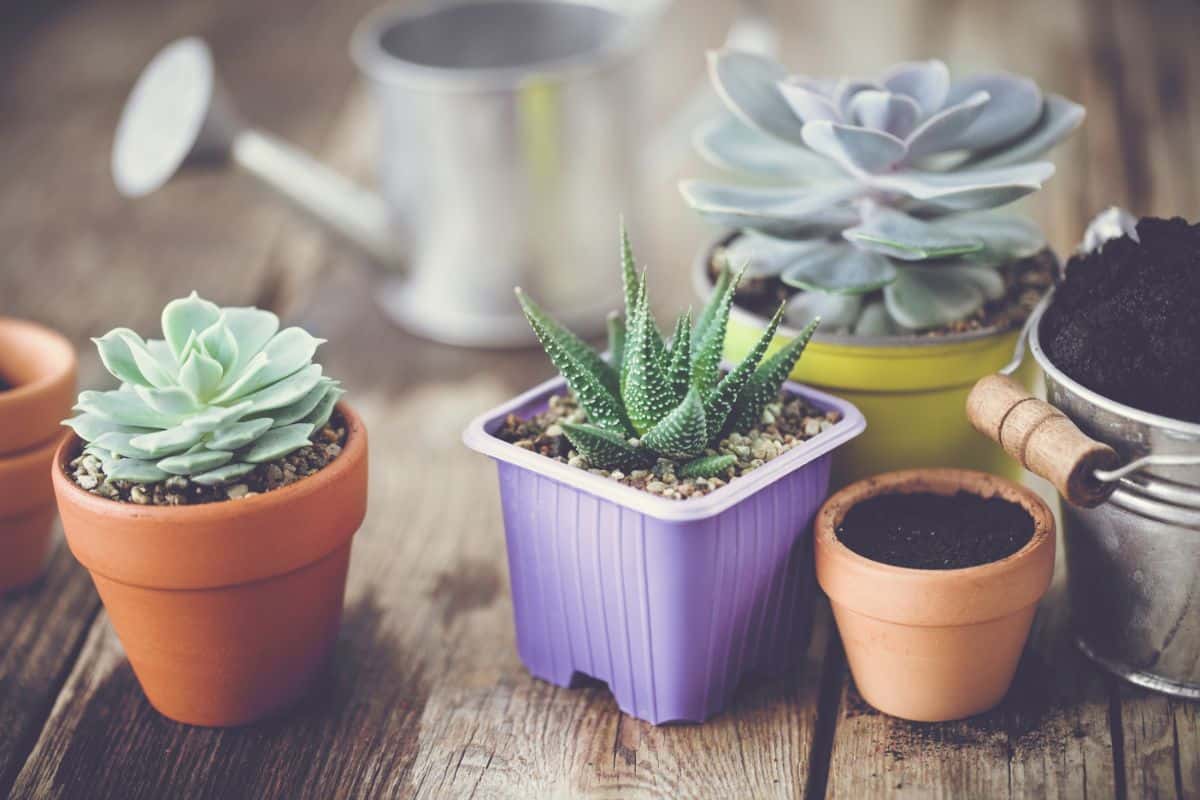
(425,695)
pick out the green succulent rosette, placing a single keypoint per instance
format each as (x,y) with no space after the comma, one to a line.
(223,391)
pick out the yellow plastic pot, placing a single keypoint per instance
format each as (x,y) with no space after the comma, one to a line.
(912,390)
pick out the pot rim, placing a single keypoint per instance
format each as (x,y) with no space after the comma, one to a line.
(30,411)
(479,436)
(702,286)
(57,371)
(1006,572)
(68,490)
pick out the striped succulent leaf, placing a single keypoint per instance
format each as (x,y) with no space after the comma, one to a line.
(222,391)
(764,385)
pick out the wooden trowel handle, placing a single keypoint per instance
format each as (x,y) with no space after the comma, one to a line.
(1042,438)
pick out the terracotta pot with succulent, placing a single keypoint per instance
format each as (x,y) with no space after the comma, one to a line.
(934,576)
(873,207)
(656,513)
(37,384)
(213,498)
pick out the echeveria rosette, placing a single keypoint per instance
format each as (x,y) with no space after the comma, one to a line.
(223,391)
(887,184)
(656,398)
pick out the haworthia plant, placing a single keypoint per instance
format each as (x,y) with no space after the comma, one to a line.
(223,391)
(656,399)
(875,180)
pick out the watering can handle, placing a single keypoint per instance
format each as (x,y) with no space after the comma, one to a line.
(1042,438)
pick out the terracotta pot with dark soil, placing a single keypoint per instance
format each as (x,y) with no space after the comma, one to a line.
(934,577)
(214,505)
(37,387)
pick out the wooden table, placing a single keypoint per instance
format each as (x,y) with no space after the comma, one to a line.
(426,695)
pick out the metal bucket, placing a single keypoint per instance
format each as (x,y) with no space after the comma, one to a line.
(1132,520)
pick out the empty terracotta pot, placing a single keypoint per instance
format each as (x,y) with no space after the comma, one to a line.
(933,645)
(38,366)
(227,610)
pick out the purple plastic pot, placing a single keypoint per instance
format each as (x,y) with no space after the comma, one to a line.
(670,602)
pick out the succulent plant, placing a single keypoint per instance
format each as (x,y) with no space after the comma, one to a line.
(223,391)
(886,184)
(656,398)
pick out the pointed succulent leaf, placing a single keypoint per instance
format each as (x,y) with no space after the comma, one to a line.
(301,408)
(943,130)
(728,144)
(200,375)
(839,268)
(1014,108)
(576,348)
(224,474)
(768,379)
(252,328)
(968,189)
(193,462)
(215,417)
(593,392)
(183,318)
(712,305)
(321,414)
(766,256)
(807,102)
(285,392)
(859,150)
(238,435)
(707,466)
(174,403)
(1004,236)
(785,213)
(645,390)
(679,369)
(90,427)
(895,114)
(277,443)
(719,405)
(926,82)
(1059,119)
(122,408)
(925,297)
(616,340)
(629,276)
(219,343)
(134,470)
(288,351)
(748,84)
(707,352)
(168,442)
(895,234)
(121,444)
(117,357)
(683,432)
(604,449)
(151,367)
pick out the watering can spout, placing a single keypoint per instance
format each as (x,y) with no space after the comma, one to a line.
(179,115)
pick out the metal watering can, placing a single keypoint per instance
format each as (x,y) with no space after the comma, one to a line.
(511,135)
(1132,519)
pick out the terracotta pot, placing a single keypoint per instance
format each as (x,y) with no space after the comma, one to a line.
(227,610)
(933,645)
(39,365)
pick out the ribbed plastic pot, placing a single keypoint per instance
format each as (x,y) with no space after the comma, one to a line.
(672,603)
(227,611)
(39,365)
(911,389)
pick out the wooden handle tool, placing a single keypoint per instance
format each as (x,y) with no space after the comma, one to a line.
(1042,438)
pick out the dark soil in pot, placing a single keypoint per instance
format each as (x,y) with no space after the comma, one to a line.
(1126,321)
(1025,280)
(923,530)
(787,423)
(88,474)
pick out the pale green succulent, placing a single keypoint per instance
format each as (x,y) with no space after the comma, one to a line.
(656,398)
(876,198)
(223,391)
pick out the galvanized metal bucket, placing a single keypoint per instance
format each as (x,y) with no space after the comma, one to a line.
(1132,520)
